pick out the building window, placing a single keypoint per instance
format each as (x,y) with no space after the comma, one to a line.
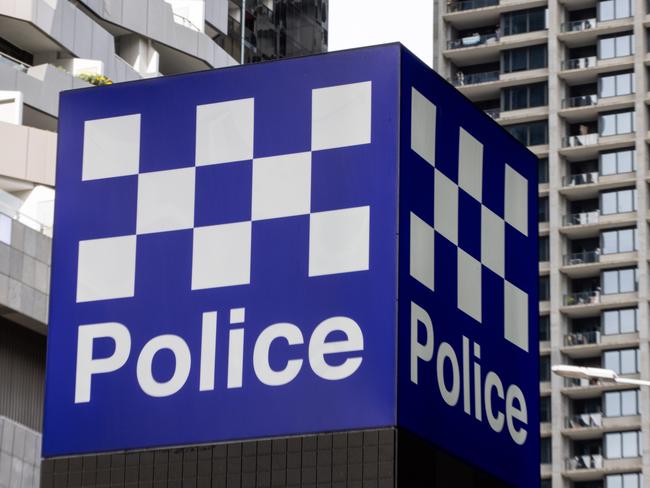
(622,361)
(543,249)
(619,280)
(546,483)
(542,170)
(618,240)
(616,46)
(545,328)
(616,84)
(616,123)
(618,201)
(617,162)
(545,450)
(545,409)
(622,445)
(524,96)
(542,209)
(522,21)
(545,368)
(615,9)
(621,403)
(627,480)
(530,134)
(544,288)
(524,58)
(620,321)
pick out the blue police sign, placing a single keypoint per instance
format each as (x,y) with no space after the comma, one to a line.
(326,243)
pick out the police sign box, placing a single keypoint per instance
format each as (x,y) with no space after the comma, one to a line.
(318,244)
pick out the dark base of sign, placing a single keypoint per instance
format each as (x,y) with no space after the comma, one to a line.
(384,458)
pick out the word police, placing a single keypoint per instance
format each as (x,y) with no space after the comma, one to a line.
(486,389)
(317,351)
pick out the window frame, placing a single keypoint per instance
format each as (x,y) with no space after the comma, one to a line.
(618,311)
(618,193)
(619,400)
(617,153)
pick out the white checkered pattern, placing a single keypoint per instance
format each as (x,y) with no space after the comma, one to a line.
(447,218)
(281,187)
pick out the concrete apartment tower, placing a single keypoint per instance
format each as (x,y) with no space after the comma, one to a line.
(47,46)
(569,79)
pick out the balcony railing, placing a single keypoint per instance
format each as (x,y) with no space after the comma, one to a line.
(580,140)
(471,41)
(580,63)
(582,298)
(582,218)
(494,113)
(581,101)
(583,257)
(580,382)
(581,179)
(583,420)
(13,62)
(579,25)
(582,338)
(585,461)
(462,79)
(469,4)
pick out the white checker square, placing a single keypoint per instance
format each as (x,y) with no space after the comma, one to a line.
(165,200)
(224,132)
(470,165)
(111,147)
(106,268)
(445,207)
(339,241)
(422,251)
(423,127)
(469,285)
(516,200)
(221,256)
(516,316)
(281,186)
(493,241)
(341,115)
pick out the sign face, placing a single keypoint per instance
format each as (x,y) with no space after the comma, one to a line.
(468,340)
(224,255)
(226,265)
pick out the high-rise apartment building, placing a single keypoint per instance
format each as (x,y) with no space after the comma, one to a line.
(569,79)
(47,46)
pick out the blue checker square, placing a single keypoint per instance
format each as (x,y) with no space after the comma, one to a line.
(348,245)
(223,193)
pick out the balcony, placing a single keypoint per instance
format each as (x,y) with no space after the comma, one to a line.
(581,179)
(582,338)
(583,257)
(493,113)
(463,79)
(13,62)
(580,101)
(589,297)
(581,218)
(460,6)
(578,25)
(584,461)
(580,63)
(580,140)
(473,41)
(584,420)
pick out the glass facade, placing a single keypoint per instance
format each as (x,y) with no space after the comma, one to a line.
(622,445)
(276,29)
(615,9)
(616,46)
(524,58)
(617,162)
(618,201)
(621,403)
(618,240)
(619,280)
(616,84)
(522,21)
(525,96)
(623,361)
(620,321)
(530,134)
